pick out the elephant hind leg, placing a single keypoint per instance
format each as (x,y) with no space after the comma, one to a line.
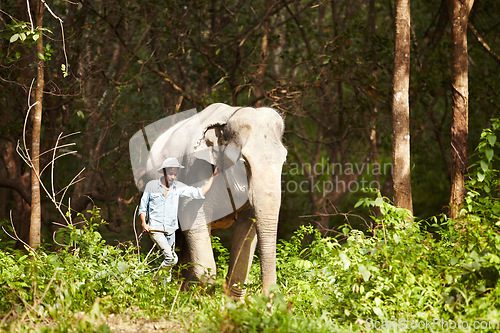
(243,245)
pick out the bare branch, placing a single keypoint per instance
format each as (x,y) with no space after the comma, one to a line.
(483,43)
(17,238)
(62,32)
(29,14)
(17,186)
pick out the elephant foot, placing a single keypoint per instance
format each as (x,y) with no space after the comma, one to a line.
(206,287)
(236,291)
(196,275)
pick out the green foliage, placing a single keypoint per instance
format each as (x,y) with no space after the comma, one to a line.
(22,32)
(265,314)
(71,287)
(483,187)
(402,273)
(220,252)
(395,277)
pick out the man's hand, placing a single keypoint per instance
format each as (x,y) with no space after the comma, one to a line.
(145,227)
(217,170)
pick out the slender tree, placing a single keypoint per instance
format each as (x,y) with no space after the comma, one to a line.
(35,226)
(401,108)
(458,11)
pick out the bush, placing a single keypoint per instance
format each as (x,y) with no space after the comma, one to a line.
(394,277)
(71,287)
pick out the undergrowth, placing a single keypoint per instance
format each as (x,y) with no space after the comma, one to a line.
(395,277)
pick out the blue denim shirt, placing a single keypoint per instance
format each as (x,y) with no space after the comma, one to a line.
(163,209)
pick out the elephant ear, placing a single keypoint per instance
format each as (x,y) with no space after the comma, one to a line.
(210,144)
(214,135)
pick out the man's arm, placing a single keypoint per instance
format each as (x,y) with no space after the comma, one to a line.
(208,184)
(143,209)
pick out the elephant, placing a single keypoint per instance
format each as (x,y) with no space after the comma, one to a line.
(246,143)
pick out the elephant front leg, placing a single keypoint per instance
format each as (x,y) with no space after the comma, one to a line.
(201,255)
(243,245)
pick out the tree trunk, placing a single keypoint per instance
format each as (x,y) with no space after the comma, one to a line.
(35,226)
(260,92)
(458,11)
(401,108)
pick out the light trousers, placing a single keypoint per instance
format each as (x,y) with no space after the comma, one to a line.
(166,242)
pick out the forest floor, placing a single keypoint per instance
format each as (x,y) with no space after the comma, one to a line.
(125,324)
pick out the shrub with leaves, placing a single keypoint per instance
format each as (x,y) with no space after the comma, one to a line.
(403,273)
(75,283)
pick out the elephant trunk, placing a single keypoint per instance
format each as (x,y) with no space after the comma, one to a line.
(265,198)
(266,232)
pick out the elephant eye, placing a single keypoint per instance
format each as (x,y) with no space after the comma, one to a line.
(225,136)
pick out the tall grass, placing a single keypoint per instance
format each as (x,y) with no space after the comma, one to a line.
(395,277)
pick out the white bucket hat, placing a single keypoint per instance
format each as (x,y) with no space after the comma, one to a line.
(170,162)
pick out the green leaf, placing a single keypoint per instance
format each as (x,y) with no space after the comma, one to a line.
(378,312)
(480,176)
(484,166)
(364,272)
(492,138)
(489,154)
(122,266)
(41,56)
(397,239)
(383,210)
(64,70)
(494,259)
(345,260)
(14,38)
(359,203)
(475,265)
(410,278)
(303,264)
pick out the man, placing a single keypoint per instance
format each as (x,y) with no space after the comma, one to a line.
(159,207)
